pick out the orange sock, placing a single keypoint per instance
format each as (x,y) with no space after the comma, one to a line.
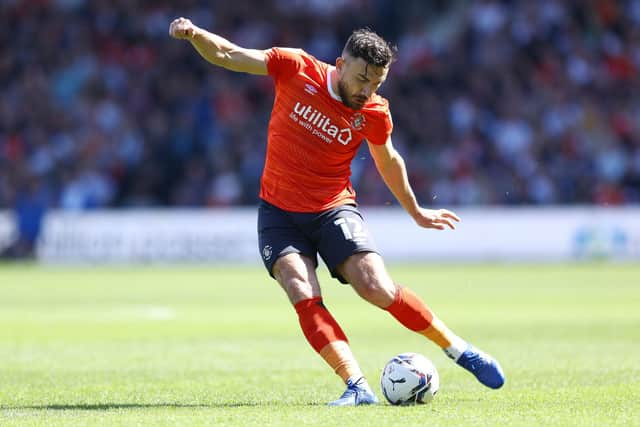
(414,314)
(409,310)
(438,333)
(326,337)
(338,355)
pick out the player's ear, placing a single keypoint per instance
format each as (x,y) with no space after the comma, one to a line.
(340,63)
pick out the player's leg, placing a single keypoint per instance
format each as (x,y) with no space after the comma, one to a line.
(367,275)
(350,253)
(296,275)
(291,259)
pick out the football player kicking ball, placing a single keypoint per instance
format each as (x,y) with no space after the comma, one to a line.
(321,115)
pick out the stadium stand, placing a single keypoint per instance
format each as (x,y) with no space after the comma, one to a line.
(494,102)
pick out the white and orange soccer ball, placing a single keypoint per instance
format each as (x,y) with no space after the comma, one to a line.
(409,379)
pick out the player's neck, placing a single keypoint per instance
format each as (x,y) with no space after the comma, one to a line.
(333,82)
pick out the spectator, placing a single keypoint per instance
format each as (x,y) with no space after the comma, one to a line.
(496,102)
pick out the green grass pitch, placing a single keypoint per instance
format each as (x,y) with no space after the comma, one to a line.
(164,346)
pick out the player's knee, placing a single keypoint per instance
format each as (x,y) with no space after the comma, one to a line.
(367,275)
(298,290)
(296,278)
(376,291)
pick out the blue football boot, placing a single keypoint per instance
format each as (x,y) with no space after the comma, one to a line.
(357,393)
(485,368)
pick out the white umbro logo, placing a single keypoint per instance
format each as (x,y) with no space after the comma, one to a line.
(311,89)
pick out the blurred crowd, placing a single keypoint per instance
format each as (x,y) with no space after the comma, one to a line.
(494,102)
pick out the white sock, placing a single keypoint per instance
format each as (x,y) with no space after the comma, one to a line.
(359,380)
(457,347)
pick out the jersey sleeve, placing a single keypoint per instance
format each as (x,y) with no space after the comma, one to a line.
(284,62)
(382,128)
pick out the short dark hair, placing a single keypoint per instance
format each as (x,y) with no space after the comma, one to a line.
(366,44)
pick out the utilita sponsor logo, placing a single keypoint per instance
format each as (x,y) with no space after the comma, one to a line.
(319,124)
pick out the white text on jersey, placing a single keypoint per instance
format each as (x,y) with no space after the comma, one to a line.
(319,124)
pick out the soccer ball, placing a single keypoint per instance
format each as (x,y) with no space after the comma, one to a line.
(409,379)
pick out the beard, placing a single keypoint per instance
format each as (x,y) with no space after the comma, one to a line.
(343,92)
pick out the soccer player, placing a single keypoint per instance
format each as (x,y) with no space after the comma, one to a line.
(321,115)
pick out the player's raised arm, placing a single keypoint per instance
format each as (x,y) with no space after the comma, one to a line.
(218,50)
(391,167)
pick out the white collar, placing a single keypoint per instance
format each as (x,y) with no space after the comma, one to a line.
(329,87)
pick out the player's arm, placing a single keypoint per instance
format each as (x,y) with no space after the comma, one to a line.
(218,50)
(393,171)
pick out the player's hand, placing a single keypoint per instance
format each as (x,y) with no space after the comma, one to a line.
(182,29)
(436,218)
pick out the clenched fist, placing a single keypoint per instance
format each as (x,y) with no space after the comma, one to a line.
(182,28)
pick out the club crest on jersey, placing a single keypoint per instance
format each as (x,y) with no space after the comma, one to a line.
(310,89)
(358,121)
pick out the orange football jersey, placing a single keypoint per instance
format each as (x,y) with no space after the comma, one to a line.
(313,136)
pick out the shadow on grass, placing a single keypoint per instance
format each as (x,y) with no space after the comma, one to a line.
(115,406)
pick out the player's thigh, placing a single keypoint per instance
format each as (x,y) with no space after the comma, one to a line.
(366,273)
(342,234)
(278,236)
(297,276)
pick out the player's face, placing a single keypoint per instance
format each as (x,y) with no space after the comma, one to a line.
(358,80)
